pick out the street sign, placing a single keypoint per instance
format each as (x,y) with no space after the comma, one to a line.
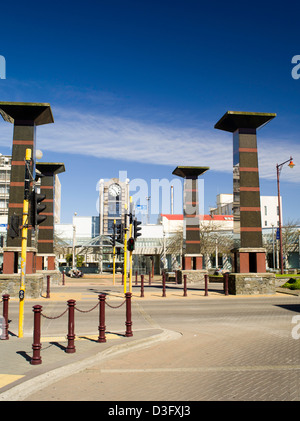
(141,207)
(277,234)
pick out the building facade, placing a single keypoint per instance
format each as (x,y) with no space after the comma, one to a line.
(268,205)
(5,170)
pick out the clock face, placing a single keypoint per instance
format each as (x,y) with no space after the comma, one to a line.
(114,190)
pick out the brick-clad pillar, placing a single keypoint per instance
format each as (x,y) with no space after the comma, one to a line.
(192,258)
(23,138)
(25,117)
(249,253)
(46,228)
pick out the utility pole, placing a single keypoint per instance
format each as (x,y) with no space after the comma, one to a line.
(125,250)
(130,235)
(25,221)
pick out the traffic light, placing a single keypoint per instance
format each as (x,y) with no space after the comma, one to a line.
(119,233)
(112,239)
(36,207)
(136,229)
(130,244)
(14,226)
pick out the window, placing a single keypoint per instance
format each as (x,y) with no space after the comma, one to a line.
(266,210)
(114,209)
(266,223)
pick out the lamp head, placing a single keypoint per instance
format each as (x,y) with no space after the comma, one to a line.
(291,164)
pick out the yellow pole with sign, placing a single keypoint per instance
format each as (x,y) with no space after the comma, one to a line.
(24,242)
(130,253)
(125,251)
(114,254)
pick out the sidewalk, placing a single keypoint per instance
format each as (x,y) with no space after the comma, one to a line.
(18,378)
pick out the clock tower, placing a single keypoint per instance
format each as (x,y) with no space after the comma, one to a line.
(113,195)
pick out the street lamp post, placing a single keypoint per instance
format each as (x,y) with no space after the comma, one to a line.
(74,244)
(278,169)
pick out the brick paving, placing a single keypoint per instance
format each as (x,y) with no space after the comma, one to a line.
(230,349)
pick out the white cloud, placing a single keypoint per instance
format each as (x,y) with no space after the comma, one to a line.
(103,136)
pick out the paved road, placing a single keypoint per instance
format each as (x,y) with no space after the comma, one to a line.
(228,348)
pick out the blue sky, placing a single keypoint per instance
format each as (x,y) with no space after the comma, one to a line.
(137,86)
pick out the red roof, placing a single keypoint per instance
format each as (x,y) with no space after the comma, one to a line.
(179,217)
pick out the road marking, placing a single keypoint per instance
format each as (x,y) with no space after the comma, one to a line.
(146,316)
(6,379)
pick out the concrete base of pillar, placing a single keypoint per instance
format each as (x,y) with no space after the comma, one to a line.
(251,283)
(193,276)
(10,284)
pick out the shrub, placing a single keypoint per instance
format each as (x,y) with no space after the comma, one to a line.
(292,283)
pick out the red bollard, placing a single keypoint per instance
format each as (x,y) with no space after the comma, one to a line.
(205,285)
(136,278)
(142,285)
(71,324)
(63,277)
(5,298)
(225,283)
(149,277)
(128,322)
(184,286)
(164,284)
(36,346)
(101,328)
(48,287)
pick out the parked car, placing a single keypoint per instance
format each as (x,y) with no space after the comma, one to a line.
(75,273)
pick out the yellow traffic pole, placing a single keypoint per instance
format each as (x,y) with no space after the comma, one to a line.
(114,254)
(24,242)
(125,251)
(130,253)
